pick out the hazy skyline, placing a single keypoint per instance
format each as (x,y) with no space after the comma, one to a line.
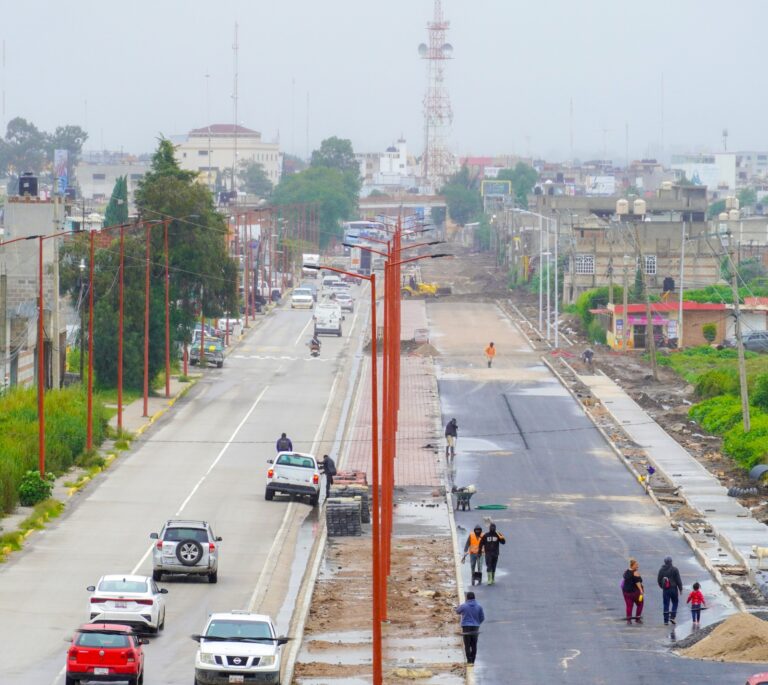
(128,72)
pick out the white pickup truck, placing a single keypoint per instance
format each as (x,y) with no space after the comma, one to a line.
(293,473)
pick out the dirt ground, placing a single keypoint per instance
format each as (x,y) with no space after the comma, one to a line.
(421,599)
(667,400)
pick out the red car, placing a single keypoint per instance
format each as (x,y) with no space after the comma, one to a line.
(105,652)
(758,679)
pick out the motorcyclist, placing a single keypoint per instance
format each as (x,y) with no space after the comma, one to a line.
(314,344)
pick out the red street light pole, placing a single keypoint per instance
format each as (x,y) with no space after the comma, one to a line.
(147,229)
(167,312)
(379,600)
(121,293)
(91,288)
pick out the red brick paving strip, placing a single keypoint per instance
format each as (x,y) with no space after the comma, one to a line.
(415,465)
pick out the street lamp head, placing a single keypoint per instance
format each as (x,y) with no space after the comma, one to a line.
(314,267)
(441,254)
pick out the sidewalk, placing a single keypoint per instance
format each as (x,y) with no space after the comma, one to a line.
(421,641)
(732,523)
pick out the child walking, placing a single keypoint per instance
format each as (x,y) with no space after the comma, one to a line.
(696,600)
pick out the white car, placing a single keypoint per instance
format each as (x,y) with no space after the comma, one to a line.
(294,473)
(302,298)
(345,301)
(128,600)
(238,647)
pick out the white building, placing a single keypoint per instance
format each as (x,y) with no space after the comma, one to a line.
(716,171)
(387,171)
(213,151)
(97,181)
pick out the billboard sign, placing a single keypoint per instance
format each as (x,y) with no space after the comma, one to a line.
(60,170)
(495,188)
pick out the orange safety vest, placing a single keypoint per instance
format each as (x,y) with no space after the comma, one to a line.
(474,543)
(490,351)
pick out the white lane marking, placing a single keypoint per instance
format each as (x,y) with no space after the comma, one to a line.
(264,357)
(207,473)
(573,654)
(267,569)
(301,335)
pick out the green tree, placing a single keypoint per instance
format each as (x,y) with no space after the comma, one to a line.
(523,179)
(438,216)
(24,148)
(325,186)
(117,209)
(747,197)
(337,153)
(254,179)
(638,289)
(462,197)
(292,164)
(715,208)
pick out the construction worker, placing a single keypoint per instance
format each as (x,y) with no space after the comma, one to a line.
(489,545)
(490,353)
(451,433)
(472,547)
(327,467)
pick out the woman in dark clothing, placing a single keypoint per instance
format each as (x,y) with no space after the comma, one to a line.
(632,587)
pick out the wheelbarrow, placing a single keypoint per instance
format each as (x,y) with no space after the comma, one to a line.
(463,497)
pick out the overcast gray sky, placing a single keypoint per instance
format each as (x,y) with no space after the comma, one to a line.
(132,69)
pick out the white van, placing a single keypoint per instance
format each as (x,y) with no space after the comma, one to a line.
(328,319)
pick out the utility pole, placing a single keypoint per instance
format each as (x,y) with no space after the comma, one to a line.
(740,346)
(650,340)
(625,302)
(610,269)
(680,302)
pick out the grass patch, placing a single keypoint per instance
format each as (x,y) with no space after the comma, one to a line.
(109,396)
(693,362)
(65,414)
(41,514)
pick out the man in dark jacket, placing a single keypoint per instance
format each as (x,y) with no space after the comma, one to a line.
(451,433)
(328,467)
(671,587)
(472,615)
(489,545)
(284,444)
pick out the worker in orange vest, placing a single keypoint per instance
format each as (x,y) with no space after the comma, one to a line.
(472,547)
(490,353)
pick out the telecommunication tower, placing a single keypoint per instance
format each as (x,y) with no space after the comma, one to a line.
(437,104)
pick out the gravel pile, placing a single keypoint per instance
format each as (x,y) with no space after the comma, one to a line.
(739,638)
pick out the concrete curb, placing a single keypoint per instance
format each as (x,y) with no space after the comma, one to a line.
(160,412)
(298,622)
(713,571)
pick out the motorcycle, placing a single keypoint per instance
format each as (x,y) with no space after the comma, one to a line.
(314,348)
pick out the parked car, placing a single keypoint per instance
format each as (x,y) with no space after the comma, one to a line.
(328,318)
(214,351)
(758,679)
(188,547)
(131,600)
(105,652)
(302,298)
(238,647)
(345,301)
(756,342)
(293,473)
(328,281)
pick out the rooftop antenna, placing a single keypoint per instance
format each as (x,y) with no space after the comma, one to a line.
(571,129)
(208,118)
(725,140)
(438,114)
(3,84)
(661,155)
(235,49)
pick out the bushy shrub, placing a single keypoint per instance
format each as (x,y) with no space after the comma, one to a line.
(595,332)
(758,393)
(34,488)
(595,299)
(717,382)
(718,414)
(709,331)
(750,448)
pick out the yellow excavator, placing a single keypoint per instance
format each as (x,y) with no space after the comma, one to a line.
(418,288)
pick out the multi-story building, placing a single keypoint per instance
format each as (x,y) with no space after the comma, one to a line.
(19,290)
(215,150)
(717,171)
(97,179)
(389,171)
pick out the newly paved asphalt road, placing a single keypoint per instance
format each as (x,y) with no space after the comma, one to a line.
(575,515)
(206,459)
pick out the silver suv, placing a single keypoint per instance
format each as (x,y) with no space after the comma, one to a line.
(188,547)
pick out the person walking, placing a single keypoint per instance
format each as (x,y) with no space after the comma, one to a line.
(671,586)
(490,353)
(327,467)
(489,545)
(284,444)
(632,587)
(472,616)
(451,433)
(472,547)
(696,600)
